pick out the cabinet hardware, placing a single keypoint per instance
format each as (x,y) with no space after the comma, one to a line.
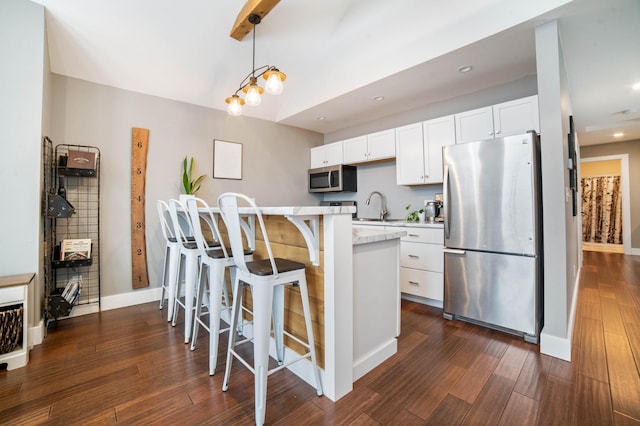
(414,283)
(413,256)
(412,235)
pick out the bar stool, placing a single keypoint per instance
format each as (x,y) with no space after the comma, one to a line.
(267,278)
(171,259)
(215,259)
(183,231)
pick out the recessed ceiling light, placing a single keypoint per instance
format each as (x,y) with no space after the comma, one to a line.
(321,118)
(636,86)
(618,135)
(379,98)
(465,68)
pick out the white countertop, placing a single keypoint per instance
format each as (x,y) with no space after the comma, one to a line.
(372,235)
(301,210)
(404,223)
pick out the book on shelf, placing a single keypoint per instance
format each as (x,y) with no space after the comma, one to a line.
(72,289)
(75,249)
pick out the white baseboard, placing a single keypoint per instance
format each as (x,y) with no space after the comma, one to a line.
(374,358)
(560,347)
(635,251)
(35,335)
(131,298)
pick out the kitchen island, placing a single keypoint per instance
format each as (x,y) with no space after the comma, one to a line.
(336,254)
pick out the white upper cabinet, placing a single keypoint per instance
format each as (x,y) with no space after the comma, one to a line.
(515,117)
(419,150)
(507,118)
(410,155)
(438,133)
(382,144)
(326,155)
(474,125)
(355,149)
(376,146)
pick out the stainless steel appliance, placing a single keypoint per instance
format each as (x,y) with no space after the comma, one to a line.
(431,211)
(336,178)
(492,227)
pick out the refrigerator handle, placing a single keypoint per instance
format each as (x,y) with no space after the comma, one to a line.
(454,251)
(445,203)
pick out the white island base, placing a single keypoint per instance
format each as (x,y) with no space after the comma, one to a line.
(376,298)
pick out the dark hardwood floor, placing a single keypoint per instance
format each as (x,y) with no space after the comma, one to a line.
(129,366)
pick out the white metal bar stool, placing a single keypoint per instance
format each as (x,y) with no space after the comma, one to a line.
(171,259)
(183,231)
(267,278)
(215,259)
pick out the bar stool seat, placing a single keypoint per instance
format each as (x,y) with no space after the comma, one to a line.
(267,279)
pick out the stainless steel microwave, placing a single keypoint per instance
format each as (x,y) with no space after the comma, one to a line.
(333,179)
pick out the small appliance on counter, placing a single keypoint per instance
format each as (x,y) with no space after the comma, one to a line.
(342,203)
(438,198)
(433,212)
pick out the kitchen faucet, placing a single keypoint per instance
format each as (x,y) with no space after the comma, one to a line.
(383,207)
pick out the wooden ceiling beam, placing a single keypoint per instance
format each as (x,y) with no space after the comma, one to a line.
(242,26)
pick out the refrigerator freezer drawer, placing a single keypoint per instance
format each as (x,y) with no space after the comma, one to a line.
(497,289)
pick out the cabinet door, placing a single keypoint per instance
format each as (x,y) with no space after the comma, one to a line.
(438,132)
(355,150)
(516,117)
(409,155)
(318,157)
(474,125)
(381,145)
(334,153)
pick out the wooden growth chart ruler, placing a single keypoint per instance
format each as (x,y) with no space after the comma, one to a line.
(139,148)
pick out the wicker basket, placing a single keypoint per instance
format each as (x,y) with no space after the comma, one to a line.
(10,328)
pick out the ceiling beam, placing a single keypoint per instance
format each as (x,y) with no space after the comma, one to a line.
(242,26)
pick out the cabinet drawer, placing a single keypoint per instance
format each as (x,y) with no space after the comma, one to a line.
(422,283)
(422,256)
(425,235)
(11,295)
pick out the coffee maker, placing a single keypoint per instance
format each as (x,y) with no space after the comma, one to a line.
(438,199)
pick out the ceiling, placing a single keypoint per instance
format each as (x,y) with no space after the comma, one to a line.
(340,54)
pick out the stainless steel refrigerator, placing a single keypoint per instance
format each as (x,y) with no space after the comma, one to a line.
(492,234)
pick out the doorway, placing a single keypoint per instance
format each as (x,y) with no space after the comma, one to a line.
(605,204)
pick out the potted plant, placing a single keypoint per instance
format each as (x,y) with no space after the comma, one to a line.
(189,185)
(414,215)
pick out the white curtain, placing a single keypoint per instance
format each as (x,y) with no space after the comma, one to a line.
(601,210)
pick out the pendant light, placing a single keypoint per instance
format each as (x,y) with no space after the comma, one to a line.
(249,86)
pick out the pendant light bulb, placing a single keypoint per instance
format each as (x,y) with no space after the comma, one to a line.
(235,105)
(274,81)
(253,96)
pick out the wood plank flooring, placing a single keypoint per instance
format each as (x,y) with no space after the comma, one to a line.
(128,366)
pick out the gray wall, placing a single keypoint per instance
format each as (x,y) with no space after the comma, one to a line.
(633,149)
(22,43)
(561,243)
(275,161)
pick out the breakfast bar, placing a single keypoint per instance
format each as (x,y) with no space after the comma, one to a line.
(352,276)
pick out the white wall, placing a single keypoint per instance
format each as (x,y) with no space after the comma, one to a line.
(275,161)
(561,244)
(21,96)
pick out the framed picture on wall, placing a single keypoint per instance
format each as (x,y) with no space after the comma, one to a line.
(572,166)
(227,160)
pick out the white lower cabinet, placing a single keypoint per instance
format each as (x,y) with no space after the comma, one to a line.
(422,263)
